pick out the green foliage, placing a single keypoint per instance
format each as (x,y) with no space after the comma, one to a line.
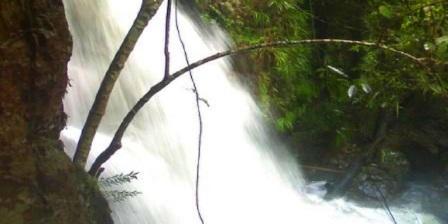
(419,29)
(330,95)
(381,79)
(385,11)
(285,74)
(119,196)
(116,180)
(441,47)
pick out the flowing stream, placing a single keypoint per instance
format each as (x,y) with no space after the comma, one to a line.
(246,175)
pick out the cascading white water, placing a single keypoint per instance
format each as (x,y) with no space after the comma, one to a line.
(246,177)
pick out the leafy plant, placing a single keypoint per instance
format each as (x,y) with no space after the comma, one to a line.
(119,179)
(119,196)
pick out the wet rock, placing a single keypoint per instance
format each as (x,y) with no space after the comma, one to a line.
(316,188)
(373,182)
(345,157)
(384,177)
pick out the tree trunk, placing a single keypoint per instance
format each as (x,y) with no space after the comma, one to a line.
(39,184)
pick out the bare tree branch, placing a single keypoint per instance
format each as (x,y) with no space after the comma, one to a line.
(115,144)
(147,11)
(167,39)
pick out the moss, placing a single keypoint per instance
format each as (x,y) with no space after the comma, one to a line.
(13,216)
(58,176)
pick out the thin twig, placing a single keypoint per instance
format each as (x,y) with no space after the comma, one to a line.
(386,205)
(167,39)
(115,144)
(196,92)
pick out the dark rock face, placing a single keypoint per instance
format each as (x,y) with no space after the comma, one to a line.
(39,184)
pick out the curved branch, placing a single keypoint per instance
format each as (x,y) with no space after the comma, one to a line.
(281,44)
(147,11)
(115,144)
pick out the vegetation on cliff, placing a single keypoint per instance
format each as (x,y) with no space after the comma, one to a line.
(329,100)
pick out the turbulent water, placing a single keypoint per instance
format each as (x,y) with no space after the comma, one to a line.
(246,176)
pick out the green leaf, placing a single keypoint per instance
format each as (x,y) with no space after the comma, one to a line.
(442,40)
(442,47)
(385,11)
(366,87)
(351,91)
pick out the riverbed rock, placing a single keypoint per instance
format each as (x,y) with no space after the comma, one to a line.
(386,176)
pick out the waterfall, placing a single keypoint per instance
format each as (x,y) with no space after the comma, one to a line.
(247,176)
